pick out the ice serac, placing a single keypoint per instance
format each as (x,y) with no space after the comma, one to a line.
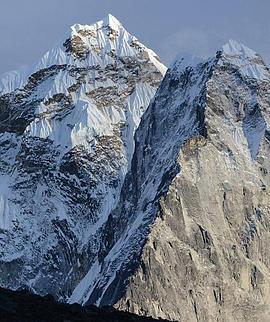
(188,240)
(67,125)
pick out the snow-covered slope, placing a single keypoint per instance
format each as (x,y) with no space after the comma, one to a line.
(188,238)
(66,142)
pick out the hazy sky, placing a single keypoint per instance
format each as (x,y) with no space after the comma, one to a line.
(28,28)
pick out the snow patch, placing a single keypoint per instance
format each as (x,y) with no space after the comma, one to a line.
(5,211)
(82,291)
(248,62)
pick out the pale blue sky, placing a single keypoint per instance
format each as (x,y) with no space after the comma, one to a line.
(28,28)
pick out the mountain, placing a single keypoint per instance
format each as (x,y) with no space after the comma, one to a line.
(26,307)
(188,239)
(172,222)
(67,128)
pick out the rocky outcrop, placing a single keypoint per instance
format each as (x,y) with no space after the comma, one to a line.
(199,189)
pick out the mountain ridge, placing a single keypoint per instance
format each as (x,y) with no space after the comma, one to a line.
(153,202)
(210,205)
(58,55)
(67,142)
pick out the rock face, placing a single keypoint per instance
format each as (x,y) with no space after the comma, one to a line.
(192,227)
(66,142)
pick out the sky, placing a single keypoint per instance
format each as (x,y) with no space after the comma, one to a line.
(28,28)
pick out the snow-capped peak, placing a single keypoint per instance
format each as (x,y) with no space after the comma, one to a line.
(108,36)
(111,21)
(78,107)
(249,63)
(246,60)
(98,44)
(108,21)
(235,48)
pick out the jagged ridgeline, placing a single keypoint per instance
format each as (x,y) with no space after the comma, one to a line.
(172,221)
(196,199)
(66,141)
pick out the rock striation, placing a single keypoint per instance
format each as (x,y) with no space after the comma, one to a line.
(199,189)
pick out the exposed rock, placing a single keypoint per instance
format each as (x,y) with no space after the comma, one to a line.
(205,254)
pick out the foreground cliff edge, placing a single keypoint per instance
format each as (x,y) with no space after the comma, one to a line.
(179,229)
(22,306)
